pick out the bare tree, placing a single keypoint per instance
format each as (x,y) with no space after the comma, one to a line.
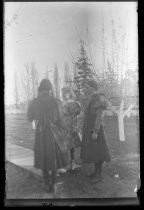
(16,93)
(56,82)
(29,82)
(113,86)
(26,81)
(34,78)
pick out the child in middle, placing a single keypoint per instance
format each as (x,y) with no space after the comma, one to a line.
(71,110)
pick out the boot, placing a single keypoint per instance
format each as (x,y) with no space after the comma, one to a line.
(92,174)
(98,172)
(49,179)
(52,180)
(70,168)
(51,187)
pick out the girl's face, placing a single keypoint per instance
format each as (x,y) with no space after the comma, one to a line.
(66,96)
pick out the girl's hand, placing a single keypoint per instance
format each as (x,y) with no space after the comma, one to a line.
(33,125)
(94,136)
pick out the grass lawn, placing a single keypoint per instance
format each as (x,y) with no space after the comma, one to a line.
(20,132)
(21,184)
(125,165)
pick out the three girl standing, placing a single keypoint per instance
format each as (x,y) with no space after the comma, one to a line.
(56,139)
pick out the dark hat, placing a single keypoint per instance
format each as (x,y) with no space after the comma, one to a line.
(45,85)
(101,94)
(93,84)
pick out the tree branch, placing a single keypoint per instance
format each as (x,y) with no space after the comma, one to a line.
(127,112)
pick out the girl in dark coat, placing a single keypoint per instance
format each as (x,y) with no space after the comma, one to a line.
(94,148)
(50,150)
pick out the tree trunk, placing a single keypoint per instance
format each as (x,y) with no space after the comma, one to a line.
(121,126)
(121,115)
(121,122)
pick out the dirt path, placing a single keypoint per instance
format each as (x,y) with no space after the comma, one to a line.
(119,176)
(21,184)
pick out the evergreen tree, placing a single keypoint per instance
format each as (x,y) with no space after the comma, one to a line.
(76,84)
(83,71)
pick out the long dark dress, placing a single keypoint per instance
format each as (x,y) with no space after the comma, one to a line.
(94,151)
(50,150)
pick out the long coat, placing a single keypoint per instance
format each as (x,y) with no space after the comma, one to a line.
(50,149)
(93,151)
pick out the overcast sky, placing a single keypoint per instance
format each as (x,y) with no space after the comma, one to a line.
(46,32)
